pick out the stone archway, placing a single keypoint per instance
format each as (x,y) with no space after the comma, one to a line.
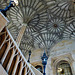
(56,60)
(63,67)
(64,50)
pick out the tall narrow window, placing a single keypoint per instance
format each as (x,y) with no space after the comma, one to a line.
(63,68)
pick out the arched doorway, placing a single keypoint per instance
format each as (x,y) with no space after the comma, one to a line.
(63,68)
(38,67)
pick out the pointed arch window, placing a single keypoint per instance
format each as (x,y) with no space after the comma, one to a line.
(63,68)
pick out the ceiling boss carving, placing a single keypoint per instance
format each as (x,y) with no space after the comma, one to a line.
(47,22)
(56,25)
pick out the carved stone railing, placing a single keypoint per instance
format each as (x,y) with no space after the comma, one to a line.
(11,58)
(37,72)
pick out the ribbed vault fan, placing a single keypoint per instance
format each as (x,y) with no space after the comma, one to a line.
(48,22)
(63,8)
(3,4)
(69,32)
(46,40)
(27,42)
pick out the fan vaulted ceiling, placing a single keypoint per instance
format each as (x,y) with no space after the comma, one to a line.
(48,22)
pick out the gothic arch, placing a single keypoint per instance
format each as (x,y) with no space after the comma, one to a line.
(66,57)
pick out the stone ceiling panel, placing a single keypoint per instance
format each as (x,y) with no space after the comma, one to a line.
(48,21)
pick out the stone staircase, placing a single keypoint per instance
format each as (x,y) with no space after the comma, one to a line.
(12,61)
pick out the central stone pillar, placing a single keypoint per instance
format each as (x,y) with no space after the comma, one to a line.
(20,35)
(3,21)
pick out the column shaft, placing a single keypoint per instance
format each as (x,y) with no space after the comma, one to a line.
(19,37)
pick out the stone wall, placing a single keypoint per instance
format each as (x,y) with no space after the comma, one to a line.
(35,58)
(64,50)
(2,71)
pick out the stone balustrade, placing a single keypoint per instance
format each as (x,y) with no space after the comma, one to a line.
(11,58)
